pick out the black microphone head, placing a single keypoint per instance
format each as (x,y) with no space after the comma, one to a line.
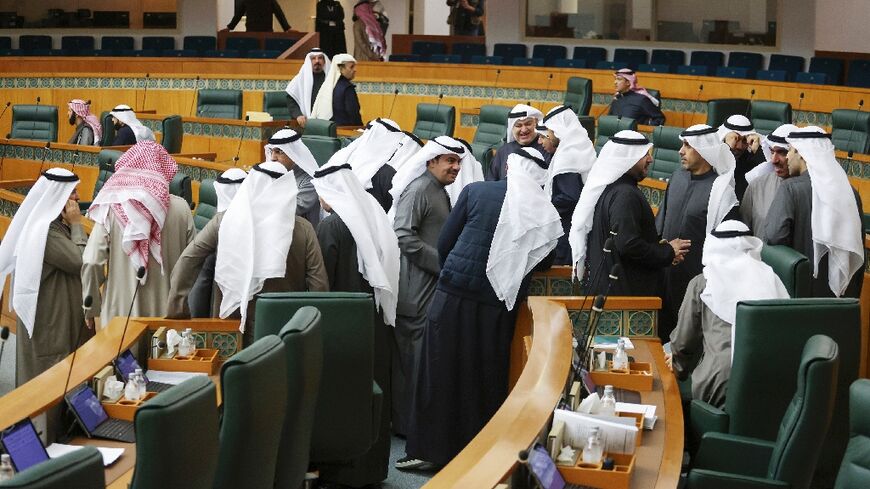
(498,71)
(608,245)
(8,104)
(48,145)
(147,75)
(752,92)
(802,95)
(247,118)
(850,153)
(551,76)
(192,205)
(615,271)
(701,86)
(4,333)
(140,273)
(523,455)
(38,99)
(88,302)
(598,303)
(861,103)
(441,95)
(396,92)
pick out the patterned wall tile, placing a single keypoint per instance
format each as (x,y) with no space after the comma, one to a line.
(538,286)
(228,344)
(642,323)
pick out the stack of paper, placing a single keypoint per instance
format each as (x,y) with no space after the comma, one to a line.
(648,411)
(618,434)
(110,455)
(173,378)
(607,342)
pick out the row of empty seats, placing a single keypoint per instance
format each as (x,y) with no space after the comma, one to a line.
(192,46)
(781,67)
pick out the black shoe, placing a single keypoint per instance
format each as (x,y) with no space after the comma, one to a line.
(410,463)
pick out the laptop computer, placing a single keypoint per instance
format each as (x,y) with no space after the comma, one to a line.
(23,445)
(126,364)
(94,420)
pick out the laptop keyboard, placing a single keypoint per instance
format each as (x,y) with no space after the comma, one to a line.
(157,386)
(116,429)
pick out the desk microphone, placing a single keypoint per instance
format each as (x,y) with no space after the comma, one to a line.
(494,85)
(593,278)
(393,104)
(749,105)
(86,305)
(75,160)
(195,95)
(437,106)
(45,152)
(696,102)
(145,94)
(140,274)
(4,110)
(546,90)
(851,131)
(38,99)
(241,137)
(4,335)
(800,102)
(597,308)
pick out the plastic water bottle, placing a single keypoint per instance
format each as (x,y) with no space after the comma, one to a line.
(185,349)
(131,389)
(6,470)
(620,358)
(608,402)
(593,451)
(140,383)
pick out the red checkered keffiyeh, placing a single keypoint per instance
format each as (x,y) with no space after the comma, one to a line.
(138,195)
(82,109)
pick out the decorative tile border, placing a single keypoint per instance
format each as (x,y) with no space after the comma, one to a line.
(8,208)
(654,196)
(631,323)
(227,344)
(855,168)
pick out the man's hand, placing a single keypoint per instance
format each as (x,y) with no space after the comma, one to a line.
(669,361)
(71,214)
(754,142)
(681,247)
(301,120)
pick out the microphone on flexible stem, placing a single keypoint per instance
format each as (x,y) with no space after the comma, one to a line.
(140,274)
(145,94)
(546,90)
(241,137)
(393,104)
(4,335)
(38,99)
(86,304)
(495,85)
(749,106)
(4,110)
(195,95)
(438,106)
(75,160)
(800,102)
(851,152)
(44,155)
(607,249)
(697,101)
(598,306)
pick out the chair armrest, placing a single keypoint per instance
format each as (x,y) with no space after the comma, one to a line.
(736,454)
(706,418)
(710,479)
(377,408)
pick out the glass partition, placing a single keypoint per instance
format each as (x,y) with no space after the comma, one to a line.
(65,14)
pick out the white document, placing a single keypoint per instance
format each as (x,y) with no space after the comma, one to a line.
(173,378)
(618,434)
(110,455)
(609,342)
(648,411)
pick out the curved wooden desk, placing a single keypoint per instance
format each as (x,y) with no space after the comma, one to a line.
(491,456)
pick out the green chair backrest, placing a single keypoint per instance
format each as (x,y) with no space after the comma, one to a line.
(181,186)
(173,134)
(720,109)
(321,147)
(791,266)
(666,152)
(34,122)
(490,133)
(81,469)
(767,115)
(320,127)
(303,341)
(177,437)
(108,128)
(345,419)
(578,94)
(253,382)
(588,123)
(434,120)
(808,415)
(769,338)
(106,159)
(608,125)
(850,130)
(207,206)
(275,104)
(855,469)
(219,104)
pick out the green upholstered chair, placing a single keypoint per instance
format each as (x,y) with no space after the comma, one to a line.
(253,383)
(608,125)
(275,104)
(850,130)
(588,123)
(720,109)
(303,341)
(578,94)
(81,469)
(791,266)
(207,206)
(490,133)
(34,122)
(219,104)
(855,469)
(666,152)
(106,159)
(321,147)
(434,120)
(729,461)
(177,437)
(173,134)
(767,115)
(768,341)
(348,408)
(108,128)
(320,127)
(181,186)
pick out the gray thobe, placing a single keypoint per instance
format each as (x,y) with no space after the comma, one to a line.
(421,212)
(683,214)
(756,202)
(307,202)
(105,252)
(83,135)
(700,333)
(789,223)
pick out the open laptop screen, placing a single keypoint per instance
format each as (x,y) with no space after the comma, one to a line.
(127,364)
(87,408)
(23,445)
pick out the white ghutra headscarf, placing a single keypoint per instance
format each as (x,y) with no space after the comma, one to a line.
(575,153)
(705,140)
(518,113)
(377,247)
(528,226)
(290,143)
(416,165)
(126,115)
(301,86)
(470,171)
(372,150)
(322,108)
(255,236)
(22,249)
(775,139)
(226,186)
(835,219)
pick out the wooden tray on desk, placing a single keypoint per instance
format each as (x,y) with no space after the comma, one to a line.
(638,423)
(638,377)
(125,409)
(595,476)
(203,360)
